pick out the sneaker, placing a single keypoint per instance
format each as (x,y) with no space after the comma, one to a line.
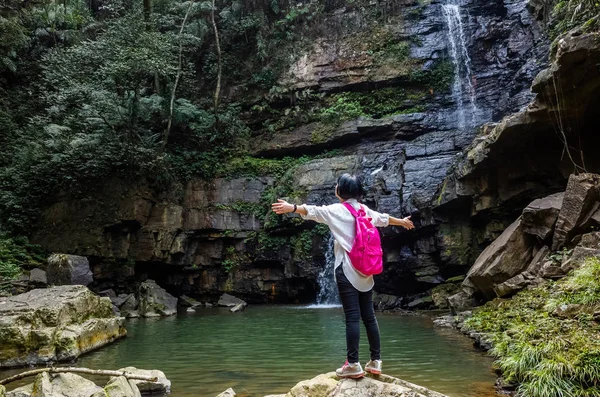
(348,370)
(374,367)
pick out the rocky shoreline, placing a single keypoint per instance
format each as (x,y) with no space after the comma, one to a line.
(125,383)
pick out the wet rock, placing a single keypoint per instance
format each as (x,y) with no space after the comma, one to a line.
(63,385)
(154,301)
(186,301)
(386,301)
(481,341)
(55,324)
(227,393)
(37,277)
(238,308)
(580,202)
(540,215)
(162,386)
(372,386)
(23,391)
(230,301)
(109,293)
(66,269)
(507,256)
(441,293)
(420,303)
(129,304)
(460,301)
(121,387)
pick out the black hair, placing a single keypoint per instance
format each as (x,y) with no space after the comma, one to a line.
(350,186)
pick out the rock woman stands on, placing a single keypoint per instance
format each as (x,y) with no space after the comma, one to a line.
(355,289)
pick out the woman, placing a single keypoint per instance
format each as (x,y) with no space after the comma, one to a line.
(355,289)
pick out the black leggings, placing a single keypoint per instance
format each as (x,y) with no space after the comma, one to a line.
(358,304)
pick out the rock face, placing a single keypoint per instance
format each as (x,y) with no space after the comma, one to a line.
(68,270)
(520,256)
(213,236)
(55,324)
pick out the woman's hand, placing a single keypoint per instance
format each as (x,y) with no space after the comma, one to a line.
(282,207)
(407,223)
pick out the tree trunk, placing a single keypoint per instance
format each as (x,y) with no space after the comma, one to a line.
(147,10)
(219,64)
(102,372)
(177,77)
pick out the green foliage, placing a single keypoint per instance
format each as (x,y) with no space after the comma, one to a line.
(546,339)
(567,14)
(439,78)
(233,259)
(17,253)
(14,38)
(373,104)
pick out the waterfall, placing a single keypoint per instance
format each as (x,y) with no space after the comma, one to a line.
(328,294)
(463,78)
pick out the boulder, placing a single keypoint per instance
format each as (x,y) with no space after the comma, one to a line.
(2,391)
(529,277)
(507,256)
(552,271)
(55,324)
(386,301)
(63,385)
(38,278)
(579,205)
(23,391)
(441,293)
(460,302)
(588,247)
(186,301)
(66,269)
(540,215)
(155,301)
(161,386)
(227,393)
(121,387)
(229,300)
(420,303)
(238,308)
(129,304)
(370,386)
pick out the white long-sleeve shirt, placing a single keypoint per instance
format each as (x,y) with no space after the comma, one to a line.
(342,226)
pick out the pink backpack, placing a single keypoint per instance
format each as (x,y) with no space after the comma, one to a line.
(366,254)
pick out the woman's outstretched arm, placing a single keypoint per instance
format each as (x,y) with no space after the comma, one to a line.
(283,207)
(404,222)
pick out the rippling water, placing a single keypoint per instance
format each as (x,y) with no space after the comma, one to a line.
(268,349)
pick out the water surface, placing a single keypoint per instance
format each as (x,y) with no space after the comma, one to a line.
(268,349)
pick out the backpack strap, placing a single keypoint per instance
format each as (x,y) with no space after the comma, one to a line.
(352,210)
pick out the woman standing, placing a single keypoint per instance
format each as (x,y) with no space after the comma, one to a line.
(355,289)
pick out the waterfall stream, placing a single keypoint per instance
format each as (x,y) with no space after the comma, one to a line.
(464,83)
(328,295)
